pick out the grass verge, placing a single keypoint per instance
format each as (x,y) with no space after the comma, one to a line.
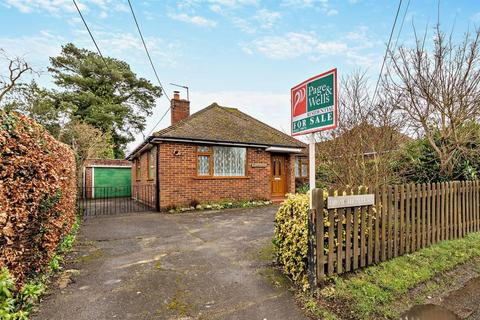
(374,292)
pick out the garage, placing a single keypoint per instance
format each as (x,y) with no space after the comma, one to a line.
(112,182)
(107,178)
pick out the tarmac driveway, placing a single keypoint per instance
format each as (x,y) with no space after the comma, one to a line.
(209,265)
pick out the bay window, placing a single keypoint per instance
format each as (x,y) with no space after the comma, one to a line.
(220,161)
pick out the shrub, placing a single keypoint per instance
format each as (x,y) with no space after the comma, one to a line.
(291,234)
(291,237)
(419,162)
(16,305)
(37,195)
(304,188)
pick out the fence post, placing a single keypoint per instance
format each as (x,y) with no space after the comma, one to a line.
(312,241)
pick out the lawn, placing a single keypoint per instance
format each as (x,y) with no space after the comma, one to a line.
(375,292)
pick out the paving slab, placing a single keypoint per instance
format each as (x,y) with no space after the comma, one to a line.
(200,265)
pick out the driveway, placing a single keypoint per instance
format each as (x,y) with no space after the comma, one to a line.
(209,265)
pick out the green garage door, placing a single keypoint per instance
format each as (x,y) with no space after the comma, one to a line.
(112,182)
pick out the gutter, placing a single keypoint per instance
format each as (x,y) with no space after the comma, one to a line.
(283,149)
(222,143)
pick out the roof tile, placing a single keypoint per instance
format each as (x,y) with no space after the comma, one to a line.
(222,124)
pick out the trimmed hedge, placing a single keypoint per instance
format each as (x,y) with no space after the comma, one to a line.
(37,195)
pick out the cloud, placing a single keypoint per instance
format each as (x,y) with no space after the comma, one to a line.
(292,45)
(354,47)
(233,3)
(321,5)
(244,25)
(303,3)
(57,7)
(475,17)
(128,46)
(51,6)
(267,18)
(332,12)
(35,49)
(196,20)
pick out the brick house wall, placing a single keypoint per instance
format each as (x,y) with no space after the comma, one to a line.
(143,185)
(180,186)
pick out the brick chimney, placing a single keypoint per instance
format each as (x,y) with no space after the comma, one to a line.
(180,108)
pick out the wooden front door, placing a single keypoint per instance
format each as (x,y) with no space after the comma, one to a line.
(279,177)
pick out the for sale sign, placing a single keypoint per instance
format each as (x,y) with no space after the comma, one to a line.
(314,104)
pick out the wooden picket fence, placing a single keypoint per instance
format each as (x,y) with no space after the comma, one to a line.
(404,219)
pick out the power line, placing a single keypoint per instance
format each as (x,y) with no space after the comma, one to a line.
(146,50)
(91,35)
(386,51)
(158,122)
(401,25)
(153,67)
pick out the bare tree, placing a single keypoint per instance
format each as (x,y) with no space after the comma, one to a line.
(360,150)
(87,142)
(437,91)
(16,68)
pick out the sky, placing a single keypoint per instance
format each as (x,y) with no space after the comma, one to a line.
(239,53)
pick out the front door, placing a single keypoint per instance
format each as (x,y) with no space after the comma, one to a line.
(279,177)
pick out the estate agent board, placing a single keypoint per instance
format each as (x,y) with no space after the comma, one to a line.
(314,104)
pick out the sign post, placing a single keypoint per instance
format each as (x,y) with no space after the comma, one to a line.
(314,108)
(311,166)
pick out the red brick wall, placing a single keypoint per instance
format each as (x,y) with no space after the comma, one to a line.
(179,185)
(106,162)
(88,183)
(290,173)
(180,109)
(143,187)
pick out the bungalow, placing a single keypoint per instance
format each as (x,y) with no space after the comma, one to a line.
(214,154)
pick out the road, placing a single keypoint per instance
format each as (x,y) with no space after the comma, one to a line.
(208,265)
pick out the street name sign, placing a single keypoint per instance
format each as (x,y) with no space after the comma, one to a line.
(350,201)
(314,104)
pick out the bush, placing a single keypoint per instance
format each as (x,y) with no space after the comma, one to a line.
(291,234)
(16,305)
(420,163)
(291,237)
(37,196)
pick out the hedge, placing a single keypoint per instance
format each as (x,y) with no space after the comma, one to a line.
(37,195)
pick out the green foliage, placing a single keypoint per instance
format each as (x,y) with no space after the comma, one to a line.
(291,237)
(420,163)
(17,305)
(291,234)
(55,262)
(218,205)
(48,202)
(38,104)
(304,188)
(112,99)
(371,292)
